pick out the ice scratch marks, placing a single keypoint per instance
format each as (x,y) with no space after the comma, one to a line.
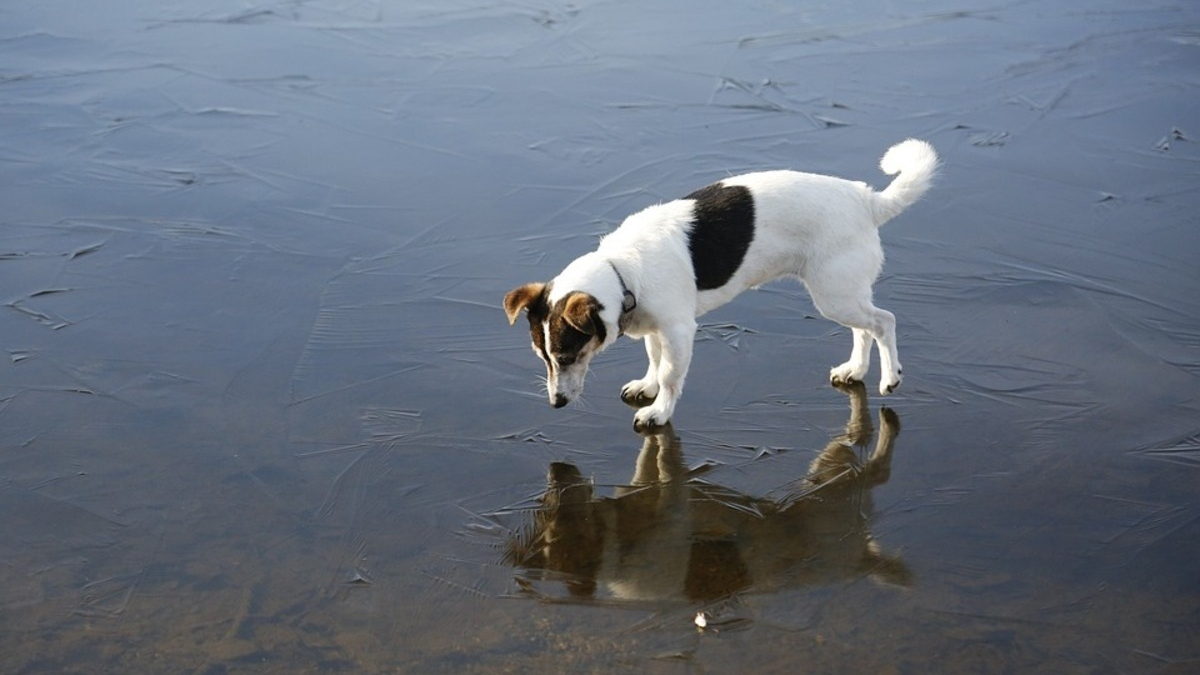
(318,16)
(1123,529)
(50,320)
(844,31)
(351,340)
(728,334)
(528,436)
(1175,136)
(465,575)
(70,254)
(474,590)
(24,304)
(989,139)
(746,95)
(389,427)
(757,93)
(108,597)
(111,596)
(361,495)
(84,250)
(1184,450)
(347,500)
(250,15)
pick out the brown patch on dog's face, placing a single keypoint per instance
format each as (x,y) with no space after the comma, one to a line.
(571,332)
(564,336)
(574,322)
(582,312)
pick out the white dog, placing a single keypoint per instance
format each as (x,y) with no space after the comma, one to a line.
(668,264)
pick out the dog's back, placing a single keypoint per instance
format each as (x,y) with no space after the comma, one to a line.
(746,230)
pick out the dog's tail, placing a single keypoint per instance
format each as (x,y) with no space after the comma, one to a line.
(916,162)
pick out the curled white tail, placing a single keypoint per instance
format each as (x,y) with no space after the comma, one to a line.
(916,162)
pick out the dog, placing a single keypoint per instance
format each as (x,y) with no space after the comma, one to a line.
(670,263)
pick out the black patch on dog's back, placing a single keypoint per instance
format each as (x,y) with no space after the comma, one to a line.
(721,235)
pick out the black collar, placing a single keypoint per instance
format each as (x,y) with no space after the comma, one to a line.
(628,301)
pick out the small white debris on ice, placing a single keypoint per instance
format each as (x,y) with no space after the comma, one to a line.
(701,620)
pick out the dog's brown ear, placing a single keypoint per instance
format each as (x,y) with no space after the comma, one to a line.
(521,298)
(582,312)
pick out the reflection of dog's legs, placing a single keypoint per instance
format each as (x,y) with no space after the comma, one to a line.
(882,567)
(671,468)
(838,457)
(858,427)
(661,458)
(879,466)
(645,470)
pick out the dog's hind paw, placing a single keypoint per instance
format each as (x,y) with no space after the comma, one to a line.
(847,373)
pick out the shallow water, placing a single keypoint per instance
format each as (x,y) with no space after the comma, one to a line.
(260,410)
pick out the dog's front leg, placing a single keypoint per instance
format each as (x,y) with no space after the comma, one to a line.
(642,392)
(675,355)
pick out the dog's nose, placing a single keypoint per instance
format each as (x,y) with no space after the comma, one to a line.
(560,400)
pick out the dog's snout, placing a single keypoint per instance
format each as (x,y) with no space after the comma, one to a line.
(560,400)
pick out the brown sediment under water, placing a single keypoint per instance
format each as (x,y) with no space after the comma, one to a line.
(261,411)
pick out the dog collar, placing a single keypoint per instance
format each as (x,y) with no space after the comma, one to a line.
(628,301)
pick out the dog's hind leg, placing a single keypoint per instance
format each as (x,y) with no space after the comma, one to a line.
(856,368)
(868,322)
(884,332)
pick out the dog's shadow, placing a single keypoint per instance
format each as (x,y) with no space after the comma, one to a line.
(672,536)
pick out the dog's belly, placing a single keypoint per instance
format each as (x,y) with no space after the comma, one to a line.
(757,269)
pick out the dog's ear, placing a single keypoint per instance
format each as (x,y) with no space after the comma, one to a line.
(521,298)
(582,312)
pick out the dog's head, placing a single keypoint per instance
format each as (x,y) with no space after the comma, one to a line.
(566,334)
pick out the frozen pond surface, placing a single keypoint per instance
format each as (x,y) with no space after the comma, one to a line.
(260,410)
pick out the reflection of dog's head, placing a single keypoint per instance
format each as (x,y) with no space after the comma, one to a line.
(565,334)
(565,536)
(667,536)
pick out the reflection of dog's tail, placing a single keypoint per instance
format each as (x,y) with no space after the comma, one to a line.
(916,162)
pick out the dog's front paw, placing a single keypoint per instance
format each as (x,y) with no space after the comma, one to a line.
(649,419)
(639,393)
(889,384)
(847,373)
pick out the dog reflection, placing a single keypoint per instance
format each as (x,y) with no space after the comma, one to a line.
(670,535)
